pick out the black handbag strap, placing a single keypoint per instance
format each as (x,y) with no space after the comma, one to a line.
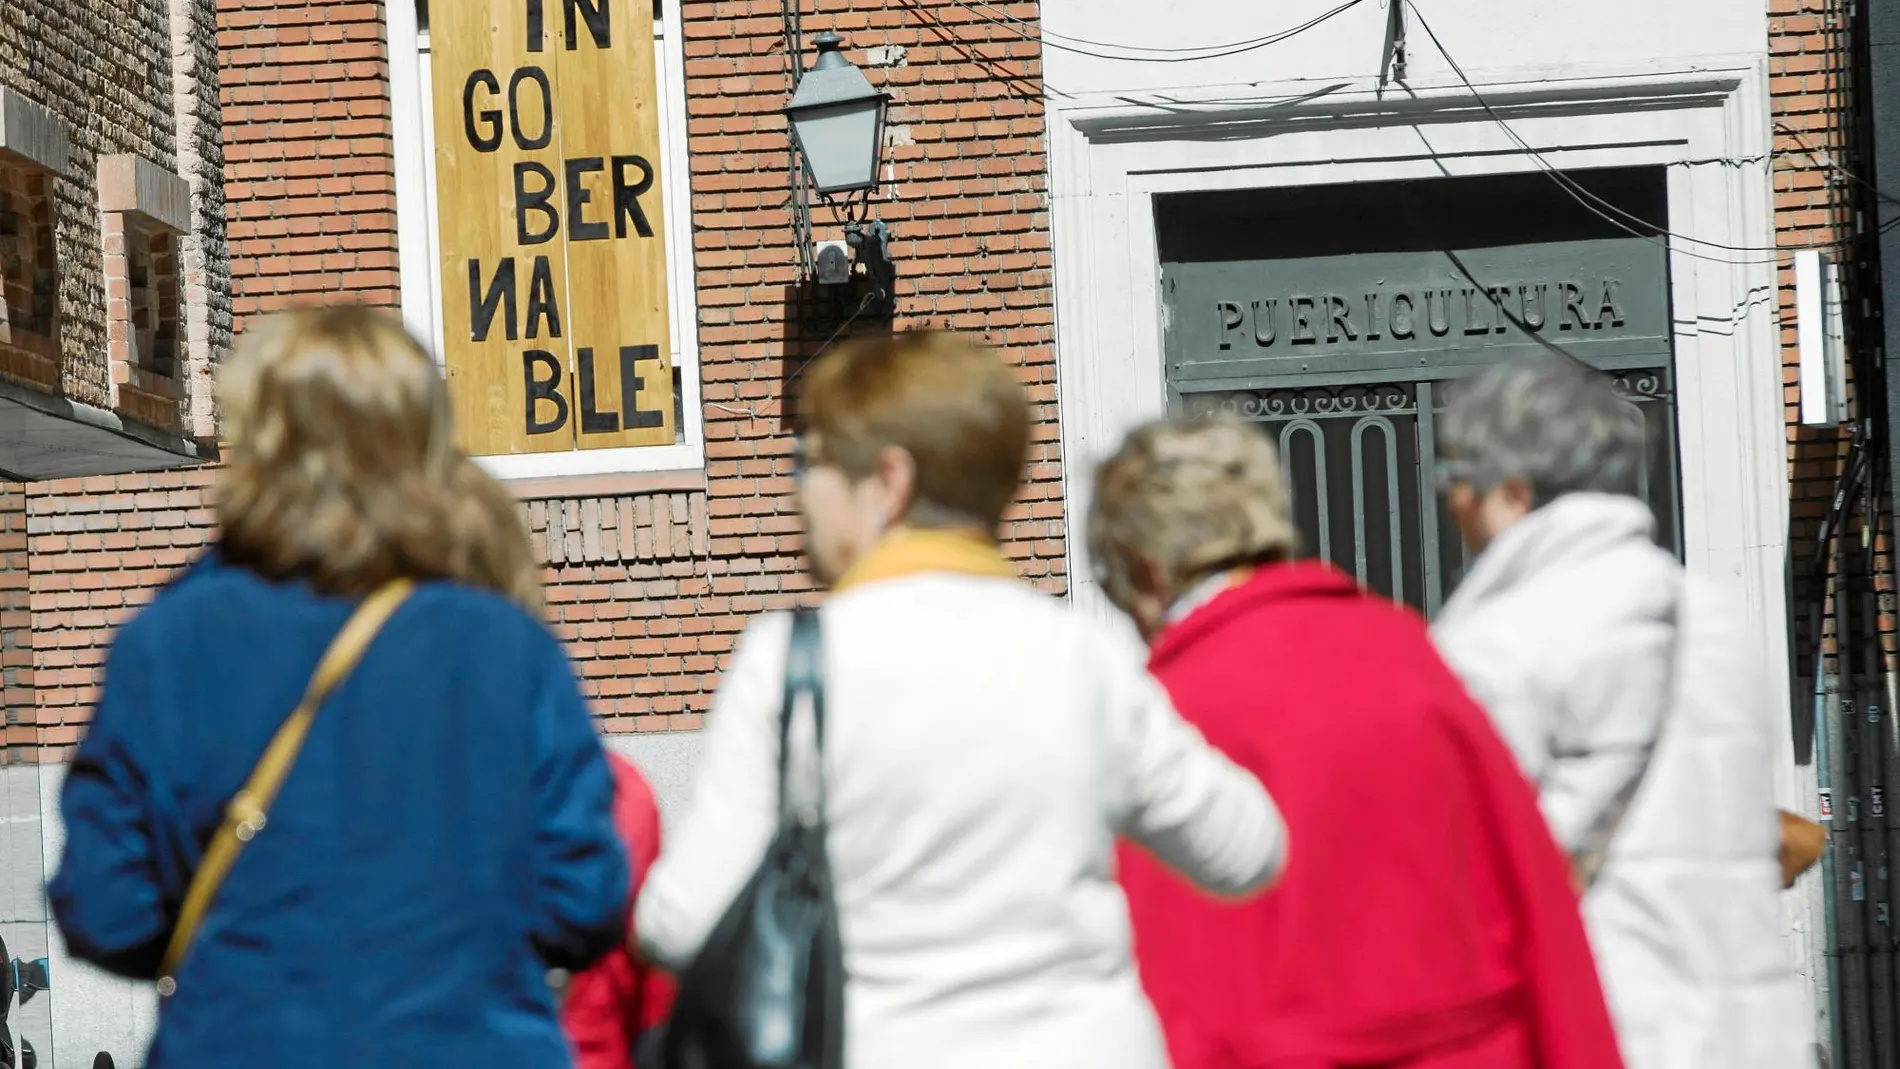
(804,677)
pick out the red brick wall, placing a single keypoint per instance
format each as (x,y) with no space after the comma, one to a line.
(98,548)
(1811,86)
(310,189)
(650,588)
(649,609)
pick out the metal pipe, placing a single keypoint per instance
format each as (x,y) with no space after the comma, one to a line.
(1824,783)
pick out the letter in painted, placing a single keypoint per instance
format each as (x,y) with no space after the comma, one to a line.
(627,196)
(578,197)
(543,308)
(545,386)
(593,421)
(500,298)
(529,201)
(486,138)
(631,385)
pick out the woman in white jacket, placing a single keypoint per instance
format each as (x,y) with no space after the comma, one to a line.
(1630,693)
(984,745)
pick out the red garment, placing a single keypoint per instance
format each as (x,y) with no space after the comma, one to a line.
(610,1005)
(1425,919)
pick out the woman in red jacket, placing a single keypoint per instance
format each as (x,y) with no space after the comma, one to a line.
(1425,919)
(607,1010)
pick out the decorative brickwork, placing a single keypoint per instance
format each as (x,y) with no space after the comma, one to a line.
(143,306)
(106,71)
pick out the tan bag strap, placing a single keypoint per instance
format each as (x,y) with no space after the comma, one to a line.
(244,816)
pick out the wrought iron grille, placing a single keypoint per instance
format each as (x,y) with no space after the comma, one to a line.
(1362,469)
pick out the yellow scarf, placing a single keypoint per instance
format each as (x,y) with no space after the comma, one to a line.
(915,552)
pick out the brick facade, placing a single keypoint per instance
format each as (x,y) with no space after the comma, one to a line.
(309,171)
(1813,106)
(649,581)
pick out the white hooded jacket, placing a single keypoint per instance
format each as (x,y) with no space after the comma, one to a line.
(1588,644)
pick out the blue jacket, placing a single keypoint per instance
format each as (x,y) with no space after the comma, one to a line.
(445,837)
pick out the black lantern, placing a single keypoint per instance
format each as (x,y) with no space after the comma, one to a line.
(837,120)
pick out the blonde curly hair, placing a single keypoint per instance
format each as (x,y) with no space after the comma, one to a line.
(343,469)
(1194,498)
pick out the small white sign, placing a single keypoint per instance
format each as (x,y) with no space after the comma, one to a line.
(1819,340)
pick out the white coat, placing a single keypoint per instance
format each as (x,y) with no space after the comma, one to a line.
(984,745)
(1587,644)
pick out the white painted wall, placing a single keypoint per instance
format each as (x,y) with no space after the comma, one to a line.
(1557,39)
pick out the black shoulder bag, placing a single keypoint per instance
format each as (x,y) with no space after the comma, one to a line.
(767,990)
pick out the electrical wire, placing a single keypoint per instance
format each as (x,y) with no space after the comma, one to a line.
(1827,161)
(1602,208)
(1029,31)
(1248,43)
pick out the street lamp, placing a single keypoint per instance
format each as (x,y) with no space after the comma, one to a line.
(837,121)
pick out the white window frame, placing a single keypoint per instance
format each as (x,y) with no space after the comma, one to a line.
(411,103)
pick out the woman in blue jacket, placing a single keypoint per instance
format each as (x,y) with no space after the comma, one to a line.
(444,836)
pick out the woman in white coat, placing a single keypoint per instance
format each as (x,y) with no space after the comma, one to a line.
(984,746)
(1630,693)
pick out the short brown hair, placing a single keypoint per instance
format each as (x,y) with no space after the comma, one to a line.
(952,404)
(1194,498)
(343,468)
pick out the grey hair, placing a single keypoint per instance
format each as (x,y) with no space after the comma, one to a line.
(1560,427)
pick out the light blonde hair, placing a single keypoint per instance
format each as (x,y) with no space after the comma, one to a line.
(1194,498)
(343,469)
(952,404)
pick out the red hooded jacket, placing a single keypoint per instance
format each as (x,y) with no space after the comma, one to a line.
(608,1007)
(1426,918)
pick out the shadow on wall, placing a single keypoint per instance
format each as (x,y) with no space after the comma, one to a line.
(817,317)
(1817,455)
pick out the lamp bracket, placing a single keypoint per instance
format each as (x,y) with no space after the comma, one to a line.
(870,239)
